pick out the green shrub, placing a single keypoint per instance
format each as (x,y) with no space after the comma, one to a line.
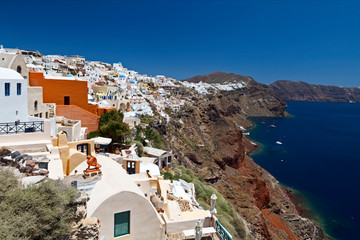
(93,134)
(140,147)
(42,211)
(187,174)
(146,119)
(168,175)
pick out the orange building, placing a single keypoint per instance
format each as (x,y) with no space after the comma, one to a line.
(61,91)
(71,98)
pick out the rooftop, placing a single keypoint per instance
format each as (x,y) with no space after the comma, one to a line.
(114,179)
(154,151)
(6,73)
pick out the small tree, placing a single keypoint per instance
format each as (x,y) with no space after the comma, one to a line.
(140,148)
(112,115)
(139,134)
(115,130)
(154,136)
(111,125)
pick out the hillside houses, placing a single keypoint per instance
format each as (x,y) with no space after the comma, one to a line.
(53,108)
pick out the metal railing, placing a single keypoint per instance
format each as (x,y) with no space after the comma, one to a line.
(21,127)
(221,232)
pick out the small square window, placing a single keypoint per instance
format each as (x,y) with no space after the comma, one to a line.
(121,223)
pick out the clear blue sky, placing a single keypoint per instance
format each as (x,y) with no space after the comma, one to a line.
(311,41)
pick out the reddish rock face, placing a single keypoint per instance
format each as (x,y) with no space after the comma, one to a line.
(230,147)
(259,192)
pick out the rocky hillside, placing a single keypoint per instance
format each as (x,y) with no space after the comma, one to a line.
(220,77)
(301,91)
(207,136)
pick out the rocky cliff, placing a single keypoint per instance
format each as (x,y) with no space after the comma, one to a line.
(207,136)
(301,91)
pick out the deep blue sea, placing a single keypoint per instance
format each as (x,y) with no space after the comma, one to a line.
(319,157)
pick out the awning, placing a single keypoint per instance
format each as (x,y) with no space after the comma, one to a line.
(102,140)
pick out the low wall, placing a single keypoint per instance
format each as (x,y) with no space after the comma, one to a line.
(27,137)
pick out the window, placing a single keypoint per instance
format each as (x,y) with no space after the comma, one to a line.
(35,105)
(7,89)
(18,88)
(121,224)
(18,69)
(67,100)
(83,148)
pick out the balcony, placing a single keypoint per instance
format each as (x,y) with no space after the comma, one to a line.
(21,127)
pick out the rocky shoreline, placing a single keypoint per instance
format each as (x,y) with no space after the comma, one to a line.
(207,137)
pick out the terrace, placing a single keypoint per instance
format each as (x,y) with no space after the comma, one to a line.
(21,127)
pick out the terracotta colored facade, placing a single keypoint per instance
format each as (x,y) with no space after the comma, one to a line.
(61,92)
(71,98)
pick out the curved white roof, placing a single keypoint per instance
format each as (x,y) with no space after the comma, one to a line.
(114,180)
(8,74)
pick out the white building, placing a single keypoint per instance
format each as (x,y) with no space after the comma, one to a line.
(18,130)
(13,95)
(13,61)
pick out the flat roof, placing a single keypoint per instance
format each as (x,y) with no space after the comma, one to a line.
(46,76)
(154,151)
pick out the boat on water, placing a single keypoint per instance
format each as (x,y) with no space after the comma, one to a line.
(273,126)
(278,142)
(246,133)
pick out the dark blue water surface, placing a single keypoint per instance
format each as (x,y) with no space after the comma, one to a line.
(320,157)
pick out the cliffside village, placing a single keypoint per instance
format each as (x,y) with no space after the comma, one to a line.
(49,105)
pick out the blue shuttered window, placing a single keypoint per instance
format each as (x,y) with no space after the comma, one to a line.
(121,223)
(18,89)
(7,89)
